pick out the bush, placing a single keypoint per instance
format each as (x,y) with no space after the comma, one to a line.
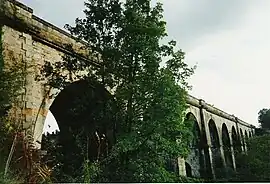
(255,165)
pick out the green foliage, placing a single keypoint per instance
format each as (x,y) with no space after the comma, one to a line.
(255,165)
(125,39)
(10,179)
(261,131)
(183,179)
(264,118)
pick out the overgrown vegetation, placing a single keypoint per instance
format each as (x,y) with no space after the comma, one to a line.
(255,165)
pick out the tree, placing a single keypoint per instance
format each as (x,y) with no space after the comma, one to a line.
(149,90)
(264,118)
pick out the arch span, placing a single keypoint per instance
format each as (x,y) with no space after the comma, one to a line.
(249,134)
(227,146)
(246,139)
(215,149)
(86,112)
(195,158)
(236,145)
(242,139)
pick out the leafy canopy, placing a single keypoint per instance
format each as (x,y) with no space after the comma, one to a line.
(264,118)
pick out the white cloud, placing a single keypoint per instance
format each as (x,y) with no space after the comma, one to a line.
(233,66)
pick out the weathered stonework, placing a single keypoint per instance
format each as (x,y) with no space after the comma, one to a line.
(204,113)
(34,41)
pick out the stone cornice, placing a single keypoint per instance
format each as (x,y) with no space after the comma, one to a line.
(202,104)
(20,17)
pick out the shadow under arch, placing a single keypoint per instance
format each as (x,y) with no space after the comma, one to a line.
(194,162)
(227,146)
(236,146)
(215,149)
(236,141)
(198,158)
(249,134)
(242,139)
(87,116)
(246,139)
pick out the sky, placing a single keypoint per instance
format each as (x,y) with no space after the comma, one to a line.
(229,41)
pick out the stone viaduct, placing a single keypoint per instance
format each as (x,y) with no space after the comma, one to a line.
(218,135)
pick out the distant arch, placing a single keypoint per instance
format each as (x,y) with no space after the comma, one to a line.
(235,140)
(227,146)
(246,135)
(215,149)
(246,139)
(242,139)
(195,130)
(236,145)
(195,158)
(249,134)
(213,134)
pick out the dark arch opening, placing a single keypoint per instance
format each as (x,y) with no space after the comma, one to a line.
(188,170)
(242,139)
(86,114)
(206,171)
(249,134)
(227,146)
(236,146)
(236,141)
(246,139)
(215,149)
(195,130)
(196,157)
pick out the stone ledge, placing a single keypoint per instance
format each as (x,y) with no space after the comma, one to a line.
(19,4)
(22,19)
(202,104)
(44,22)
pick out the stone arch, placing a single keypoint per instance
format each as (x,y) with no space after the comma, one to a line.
(195,128)
(195,158)
(227,146)
(246,139)
(249,134)
(215,149)
(246,135)
(236,145)
(242,139)
(86,109)
(236,141)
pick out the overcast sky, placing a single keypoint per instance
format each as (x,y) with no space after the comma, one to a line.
(228,40)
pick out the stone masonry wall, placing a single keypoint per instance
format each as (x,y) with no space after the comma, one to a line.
(33,41)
